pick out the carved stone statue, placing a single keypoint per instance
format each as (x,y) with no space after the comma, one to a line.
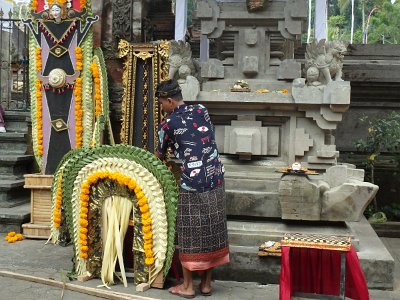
(189,84)
(324,62)
(179,54)
(182,68)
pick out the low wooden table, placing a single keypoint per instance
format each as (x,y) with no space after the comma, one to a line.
(320,267)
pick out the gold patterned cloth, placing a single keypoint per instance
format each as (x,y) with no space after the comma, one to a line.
(273,249)
(316,241)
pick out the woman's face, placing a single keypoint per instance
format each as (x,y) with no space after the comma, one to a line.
(55,11)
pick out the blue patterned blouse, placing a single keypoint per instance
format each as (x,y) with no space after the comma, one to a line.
(190,134)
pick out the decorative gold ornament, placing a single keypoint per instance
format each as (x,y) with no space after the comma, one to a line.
(123,47)
(58,50)
(59,125)
(143,54)
(57,78)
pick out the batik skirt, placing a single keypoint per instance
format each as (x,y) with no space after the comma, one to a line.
(201,229)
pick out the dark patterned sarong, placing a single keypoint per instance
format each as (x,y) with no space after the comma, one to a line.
(201,228)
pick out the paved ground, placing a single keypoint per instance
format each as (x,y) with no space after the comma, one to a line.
(51,263)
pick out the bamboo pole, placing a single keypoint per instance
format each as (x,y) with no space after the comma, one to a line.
(74,287)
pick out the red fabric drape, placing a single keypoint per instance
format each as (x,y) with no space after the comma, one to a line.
(356,286)
(40,5)
(75,4)
(318,271)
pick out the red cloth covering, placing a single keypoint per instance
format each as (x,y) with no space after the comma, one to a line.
(318,271)
(75,4)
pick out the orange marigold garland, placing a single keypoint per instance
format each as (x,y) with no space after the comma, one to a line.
(61,2)
(38,59)
(39,121)
(94,68)
(79,58)
(78,99)
(58,204)
(34,5)
(78,112)
(82,3)
(141,201)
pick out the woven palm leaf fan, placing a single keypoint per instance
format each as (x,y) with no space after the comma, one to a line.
(95,193)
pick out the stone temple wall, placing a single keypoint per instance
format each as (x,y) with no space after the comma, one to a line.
(265,114)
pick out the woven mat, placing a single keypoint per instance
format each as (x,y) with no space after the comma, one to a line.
(316,241)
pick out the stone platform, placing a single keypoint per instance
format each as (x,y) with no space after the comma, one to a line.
(246,236)
(254,210)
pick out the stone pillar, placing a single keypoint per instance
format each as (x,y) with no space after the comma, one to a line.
(204,48)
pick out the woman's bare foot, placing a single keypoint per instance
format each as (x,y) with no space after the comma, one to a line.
(180,291)
(205,290)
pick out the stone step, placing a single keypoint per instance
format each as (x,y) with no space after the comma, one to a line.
(245,264)
(13,142)
(376,262)
(252,204)
(260,165)
(225,85)
(255,184)
(15,165)
(17,121)
(254,175)
(12,192)
(254,233)
(11,219)
(387,229)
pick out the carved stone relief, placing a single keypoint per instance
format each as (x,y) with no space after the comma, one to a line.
(122,19)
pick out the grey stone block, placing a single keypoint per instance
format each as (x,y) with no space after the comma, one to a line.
(250,37)
(250,65)
(337,92)
(299,198)
(204,10)
(256,204)
(212,68)
(289,69)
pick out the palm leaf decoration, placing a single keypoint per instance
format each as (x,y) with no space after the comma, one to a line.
(129,165)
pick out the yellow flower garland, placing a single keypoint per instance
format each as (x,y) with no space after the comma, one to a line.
(79,58)
(141,201)
(78,112)
(82,3)
(35,5)
(39,121)
(38,59)
(94,68)
(78,99)
(58,204)
(61,2)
